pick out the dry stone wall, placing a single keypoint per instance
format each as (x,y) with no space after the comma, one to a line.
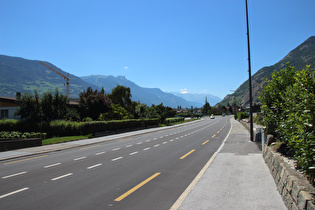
(296,191)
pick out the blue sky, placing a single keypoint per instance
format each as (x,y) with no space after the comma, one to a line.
(195,45)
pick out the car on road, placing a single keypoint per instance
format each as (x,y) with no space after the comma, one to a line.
(212,117)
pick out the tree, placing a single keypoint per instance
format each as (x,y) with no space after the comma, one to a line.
(140,110)
(161,112)
(121,95)
(30,107)
(50,107)
(116,112)
(93,103)
(206,109)
(54,107)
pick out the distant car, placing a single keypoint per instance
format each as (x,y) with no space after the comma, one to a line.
(212,117)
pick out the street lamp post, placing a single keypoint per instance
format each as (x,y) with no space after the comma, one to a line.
(249,80)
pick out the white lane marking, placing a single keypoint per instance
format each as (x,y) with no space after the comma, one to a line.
(181,136)
(161,137)
(60,177)
(133,153)
(52,165)
(117,158)
(14,192)
(12,175)
(139,143)
(99,153)
(172,140)
(116,149)
(164,142)
(156,145)
(155,138)
(147,140)
(79,158)
(146,148)
(90,167)
(166,136)
(177,138)
(129,145)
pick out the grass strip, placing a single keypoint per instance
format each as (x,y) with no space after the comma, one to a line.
(56,140)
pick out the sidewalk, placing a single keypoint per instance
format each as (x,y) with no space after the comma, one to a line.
(237,178)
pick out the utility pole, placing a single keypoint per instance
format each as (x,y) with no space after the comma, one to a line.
(249,81)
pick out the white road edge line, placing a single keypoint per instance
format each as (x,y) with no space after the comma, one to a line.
(52,165)
(94,166)
(60,177)
(12,175)
(14,192)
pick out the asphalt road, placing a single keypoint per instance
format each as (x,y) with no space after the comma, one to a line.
(147,171)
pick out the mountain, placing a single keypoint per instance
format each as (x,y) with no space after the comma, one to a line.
(22,75)
(301,56)
(147,96)
(199,98)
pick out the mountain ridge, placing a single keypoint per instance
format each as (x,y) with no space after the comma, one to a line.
(147,96)
(299,57)
(24,75)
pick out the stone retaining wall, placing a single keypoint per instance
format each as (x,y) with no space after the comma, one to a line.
(11,144)
(296,191)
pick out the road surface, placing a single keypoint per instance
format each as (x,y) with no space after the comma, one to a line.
(147,171)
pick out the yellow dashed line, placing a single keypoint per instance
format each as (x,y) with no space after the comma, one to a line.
(136,187)
(205,142)
(213,136)
(17,161)
(89,147)
(187,154)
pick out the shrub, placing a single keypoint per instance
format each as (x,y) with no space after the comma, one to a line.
(241,115)
(174,120)
(288,110)
(18,135)
(9,124)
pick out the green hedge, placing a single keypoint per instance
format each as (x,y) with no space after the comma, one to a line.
(174,120)
(68,128)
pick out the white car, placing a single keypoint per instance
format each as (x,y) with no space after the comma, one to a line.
(212,117)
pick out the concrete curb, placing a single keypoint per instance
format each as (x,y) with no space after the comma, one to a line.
(296,191)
